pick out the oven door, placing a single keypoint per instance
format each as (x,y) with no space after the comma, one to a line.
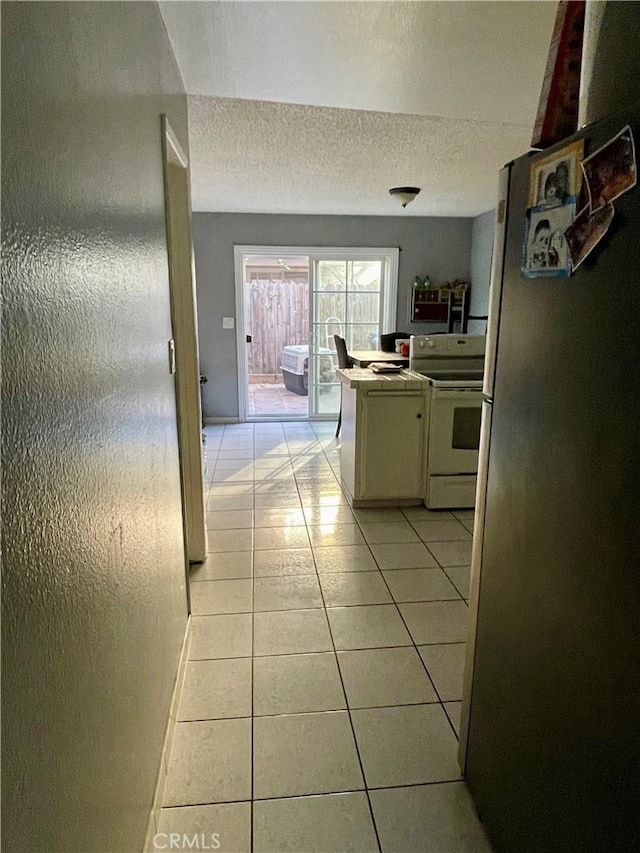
(454,431)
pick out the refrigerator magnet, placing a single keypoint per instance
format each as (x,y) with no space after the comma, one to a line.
(586,231)
(611,170)
(556,177)
(545,250)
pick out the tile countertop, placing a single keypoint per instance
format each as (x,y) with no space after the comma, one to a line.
(363,377)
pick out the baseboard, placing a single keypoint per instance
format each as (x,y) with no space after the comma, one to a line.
(273,419)
(158,799)
(368,503)
(383,503)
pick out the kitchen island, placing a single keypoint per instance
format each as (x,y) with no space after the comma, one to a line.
(363,358)
(383,450)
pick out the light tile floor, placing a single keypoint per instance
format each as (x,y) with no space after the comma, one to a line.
(322,694)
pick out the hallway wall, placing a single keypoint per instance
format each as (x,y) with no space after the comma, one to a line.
(94,607)
(481,253)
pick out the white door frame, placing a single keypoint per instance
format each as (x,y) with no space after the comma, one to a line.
(389,294)
(185,332)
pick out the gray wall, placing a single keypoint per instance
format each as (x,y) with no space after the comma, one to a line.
(437,246)
(481,251)
(93,609)
(610,59)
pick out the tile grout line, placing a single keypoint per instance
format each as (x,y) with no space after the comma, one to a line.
(442,703)
(319,607)
(324,710)
(415,645)
(347,708)
(319,794)
(253,648)
(293,654)
(251,735)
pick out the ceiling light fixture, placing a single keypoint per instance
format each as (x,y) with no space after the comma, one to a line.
(404,194)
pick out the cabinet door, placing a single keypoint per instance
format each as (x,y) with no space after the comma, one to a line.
(392,462)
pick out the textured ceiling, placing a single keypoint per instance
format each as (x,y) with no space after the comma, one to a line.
(320,107)
(287,158)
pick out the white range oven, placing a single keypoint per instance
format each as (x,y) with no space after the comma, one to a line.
(454,368)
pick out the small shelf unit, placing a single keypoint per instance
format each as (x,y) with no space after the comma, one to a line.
(440,305)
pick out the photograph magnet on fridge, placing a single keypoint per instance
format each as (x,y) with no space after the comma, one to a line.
(545,250)
(611,170)
(555,178)
(586,231)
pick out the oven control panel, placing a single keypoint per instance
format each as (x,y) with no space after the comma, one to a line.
(448,346)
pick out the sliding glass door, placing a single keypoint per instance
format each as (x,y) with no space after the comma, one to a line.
(276,322)
(351,296)
(290,302)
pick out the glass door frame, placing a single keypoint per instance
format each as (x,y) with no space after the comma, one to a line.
(389,297)
(387,309)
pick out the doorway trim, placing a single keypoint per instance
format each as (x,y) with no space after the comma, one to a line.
(389,296)
(185,361)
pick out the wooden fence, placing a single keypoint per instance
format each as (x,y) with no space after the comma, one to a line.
(276,316)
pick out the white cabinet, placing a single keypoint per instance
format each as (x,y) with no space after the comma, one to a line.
(383,444)
(392,456)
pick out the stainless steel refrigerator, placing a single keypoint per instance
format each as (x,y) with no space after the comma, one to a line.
(550,731)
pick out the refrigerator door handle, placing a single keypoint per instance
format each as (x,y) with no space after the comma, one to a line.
(476,564)
(495,287)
